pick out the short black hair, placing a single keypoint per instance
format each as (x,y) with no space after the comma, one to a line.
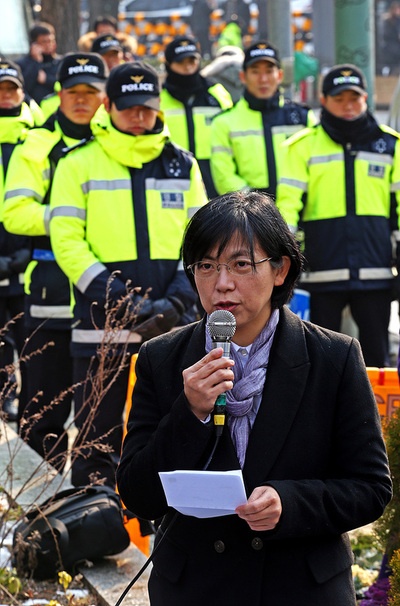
(42,28)
(105,20)
(254,216)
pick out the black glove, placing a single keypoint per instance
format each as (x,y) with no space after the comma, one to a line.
(171,308)
(20,260)
(166,313)
(134,306)
(143,308)
(5,269)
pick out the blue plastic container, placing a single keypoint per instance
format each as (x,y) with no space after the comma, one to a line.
(300,303)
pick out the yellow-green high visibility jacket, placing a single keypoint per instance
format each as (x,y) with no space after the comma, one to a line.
(346,199)
(189,122)
(36,111)
(246,143)
(13,130)
(26,212)
(121,203)
(49,105)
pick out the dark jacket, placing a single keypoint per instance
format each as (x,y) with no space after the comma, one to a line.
(14,250)
(26,211)
(339,185)
(30,70)
(316,439)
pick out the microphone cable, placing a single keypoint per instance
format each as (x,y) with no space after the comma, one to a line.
(164,532)
(147,562)
(221,325)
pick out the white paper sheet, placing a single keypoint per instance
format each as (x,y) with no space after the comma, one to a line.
(204,494)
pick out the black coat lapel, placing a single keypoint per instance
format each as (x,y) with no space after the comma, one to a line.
(196,347)
(285,384)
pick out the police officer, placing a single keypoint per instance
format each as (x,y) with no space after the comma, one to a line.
(26,210)
(121,204)
(110,48)
(340,184)
(15,121)
(189,102)
(246,139)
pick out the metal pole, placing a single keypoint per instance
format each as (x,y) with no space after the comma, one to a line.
(279,26)
(280,35)
(324,32)
(262,20)
(355,40)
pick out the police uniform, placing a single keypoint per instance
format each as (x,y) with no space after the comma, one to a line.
(246,139)
(340,184)
(15,122)
(189,103)
(120,204)
(48,312)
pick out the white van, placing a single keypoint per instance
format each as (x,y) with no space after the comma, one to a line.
(14,39)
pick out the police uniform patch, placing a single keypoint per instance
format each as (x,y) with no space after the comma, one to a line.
(376,170)
(295,117)
(172,200)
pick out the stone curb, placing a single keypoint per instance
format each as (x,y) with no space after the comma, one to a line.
(108,578)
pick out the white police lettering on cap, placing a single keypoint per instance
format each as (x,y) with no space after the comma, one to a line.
(107,43)
(137,87)
(266,52)
(8,71)
(83,69)
(189,48)
(347,80)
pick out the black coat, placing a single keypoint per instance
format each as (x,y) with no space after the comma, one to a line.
(316,439)
(30,70)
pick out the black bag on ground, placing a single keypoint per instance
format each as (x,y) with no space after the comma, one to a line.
(84,523)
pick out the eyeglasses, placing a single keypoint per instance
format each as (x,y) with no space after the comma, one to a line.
(237,267)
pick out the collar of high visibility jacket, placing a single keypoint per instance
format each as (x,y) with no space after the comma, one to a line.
(15,128)
(129,150)
(40,141)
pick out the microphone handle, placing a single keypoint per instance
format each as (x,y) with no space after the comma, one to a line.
(219,413)
(220,402)
(226,346)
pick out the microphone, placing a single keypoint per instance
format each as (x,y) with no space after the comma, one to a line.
(221,326)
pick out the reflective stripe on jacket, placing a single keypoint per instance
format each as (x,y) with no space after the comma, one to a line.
(246,144)
(13,130)
(189,124)
(347,200)
(121,203)
(27,212)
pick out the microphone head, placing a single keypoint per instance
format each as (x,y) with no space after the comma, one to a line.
(221,325)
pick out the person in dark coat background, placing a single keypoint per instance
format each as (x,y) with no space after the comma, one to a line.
(200,24)
(391,38)
(301,423)
(189,103)
(39,66)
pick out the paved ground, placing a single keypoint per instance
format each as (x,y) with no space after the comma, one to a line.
(28,479)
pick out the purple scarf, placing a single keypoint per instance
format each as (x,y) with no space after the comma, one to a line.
(243,401)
